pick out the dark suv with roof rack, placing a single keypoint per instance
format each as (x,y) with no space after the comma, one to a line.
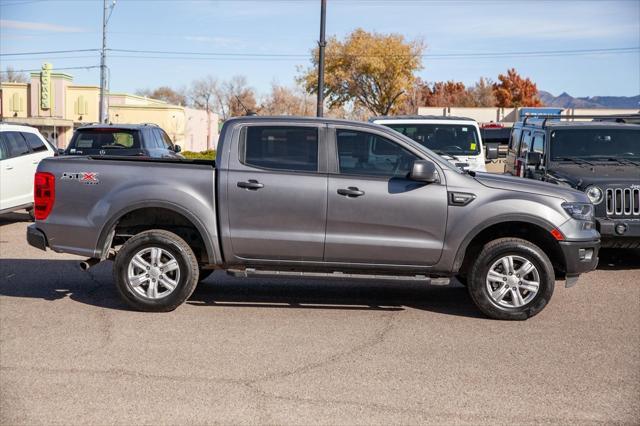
(600,157)
(140,140)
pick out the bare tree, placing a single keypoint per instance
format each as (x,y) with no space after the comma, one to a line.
(205,94)
(13,76)
(482,93)
(284,100)
(165,93)
(237,98)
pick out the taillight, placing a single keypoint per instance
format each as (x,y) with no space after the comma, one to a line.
(44,194)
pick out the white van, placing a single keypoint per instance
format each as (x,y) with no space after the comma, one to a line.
(21,149)
(455,138)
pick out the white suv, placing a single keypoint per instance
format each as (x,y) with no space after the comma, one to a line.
(21,149)
(456,139)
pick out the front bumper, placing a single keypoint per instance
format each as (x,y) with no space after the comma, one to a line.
(579,257)
(36,237)
(619,232)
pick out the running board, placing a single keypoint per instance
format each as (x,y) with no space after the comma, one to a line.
(250,272)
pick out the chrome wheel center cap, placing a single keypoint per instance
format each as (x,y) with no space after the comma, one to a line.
(154,273)
(512,281)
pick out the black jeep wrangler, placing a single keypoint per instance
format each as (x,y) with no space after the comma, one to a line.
(601,158)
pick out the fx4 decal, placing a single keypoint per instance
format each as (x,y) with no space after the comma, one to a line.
(88,178)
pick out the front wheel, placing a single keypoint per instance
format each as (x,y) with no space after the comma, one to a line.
(156,271)
(511,279)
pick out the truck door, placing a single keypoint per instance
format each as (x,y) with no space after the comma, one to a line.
(276,188)
(376,215)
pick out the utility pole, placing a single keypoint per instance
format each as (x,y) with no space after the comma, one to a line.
(321,45)
(104,109)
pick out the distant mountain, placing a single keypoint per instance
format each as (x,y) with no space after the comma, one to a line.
(565,100)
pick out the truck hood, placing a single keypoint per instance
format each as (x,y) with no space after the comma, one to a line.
(513,183)
(583,175)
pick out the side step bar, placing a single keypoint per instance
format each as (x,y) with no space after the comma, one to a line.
(251,272)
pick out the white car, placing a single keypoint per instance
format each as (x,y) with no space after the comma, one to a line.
(21,149)
(454,138)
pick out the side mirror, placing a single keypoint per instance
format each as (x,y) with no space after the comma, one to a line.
(534,159)
(177,148)
(424,171)
(491,151)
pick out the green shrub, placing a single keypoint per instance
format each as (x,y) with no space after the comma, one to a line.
(204,155)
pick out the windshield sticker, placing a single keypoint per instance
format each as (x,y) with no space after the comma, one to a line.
(464,129)
(472,146)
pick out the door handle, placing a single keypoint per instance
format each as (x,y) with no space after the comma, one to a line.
(352,191)
(252,185)
(9,168)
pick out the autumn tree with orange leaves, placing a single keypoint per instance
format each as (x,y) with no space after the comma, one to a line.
(512,90)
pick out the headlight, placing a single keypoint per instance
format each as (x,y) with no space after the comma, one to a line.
(594,193)
(580,211)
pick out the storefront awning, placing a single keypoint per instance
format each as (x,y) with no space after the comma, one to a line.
(40,121)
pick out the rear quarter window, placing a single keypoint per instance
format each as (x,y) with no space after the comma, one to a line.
(35,143)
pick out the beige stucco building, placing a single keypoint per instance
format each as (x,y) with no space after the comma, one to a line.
(56,106)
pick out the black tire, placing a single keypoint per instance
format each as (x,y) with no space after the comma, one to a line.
(174,245)
(204,274)
(493,251)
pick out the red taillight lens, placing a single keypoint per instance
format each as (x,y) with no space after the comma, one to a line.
(44,194)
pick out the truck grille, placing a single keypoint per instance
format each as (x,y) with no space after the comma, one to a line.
(623,201)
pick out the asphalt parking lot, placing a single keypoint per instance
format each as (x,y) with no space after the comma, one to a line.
(256,351)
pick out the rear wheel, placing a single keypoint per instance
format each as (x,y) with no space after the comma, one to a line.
(511,279)
(156,271)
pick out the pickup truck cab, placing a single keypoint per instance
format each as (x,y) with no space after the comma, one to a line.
(292,197)
(456,139)
(601,158)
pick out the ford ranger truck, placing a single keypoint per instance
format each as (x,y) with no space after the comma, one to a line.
(296,197)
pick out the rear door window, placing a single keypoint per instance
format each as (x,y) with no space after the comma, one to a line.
(282,148)
(35,143)
(525,144)
(538,143)
(15,144)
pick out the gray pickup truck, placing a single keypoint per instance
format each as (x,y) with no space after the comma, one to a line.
(296,197)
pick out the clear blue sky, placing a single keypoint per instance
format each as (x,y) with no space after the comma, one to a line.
(291,27)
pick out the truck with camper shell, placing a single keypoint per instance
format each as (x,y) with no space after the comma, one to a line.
(295,197)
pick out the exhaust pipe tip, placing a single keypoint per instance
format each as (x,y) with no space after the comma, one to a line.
(85,265)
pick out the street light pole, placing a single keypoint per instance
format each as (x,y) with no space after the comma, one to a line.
(104,109)
(321,45)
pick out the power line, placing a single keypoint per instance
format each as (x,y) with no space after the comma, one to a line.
(49,52)
(57,69)
(490,55)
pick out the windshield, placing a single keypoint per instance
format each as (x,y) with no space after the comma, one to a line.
(451,139)
(105,139)
(595,143)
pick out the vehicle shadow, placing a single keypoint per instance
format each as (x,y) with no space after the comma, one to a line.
(615,259)
(57,279)
(19,216)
